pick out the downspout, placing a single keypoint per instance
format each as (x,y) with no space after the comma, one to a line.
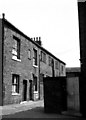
(3,18)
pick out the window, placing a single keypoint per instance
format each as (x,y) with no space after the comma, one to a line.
(16,47)
(29,54)
(56,64)
(62,69)
(34,57)
(43,57)
(50,61)
(35,82)
(41,77)
(15,83)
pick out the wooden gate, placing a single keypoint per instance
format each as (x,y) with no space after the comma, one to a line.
(55,97)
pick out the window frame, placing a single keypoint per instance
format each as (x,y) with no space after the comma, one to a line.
(34,57)
(56,65)
(43,56)
(50,60)
(62,69)
(16,48)
(15,83)
(29,54)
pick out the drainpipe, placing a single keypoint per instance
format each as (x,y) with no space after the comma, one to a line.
(39,76)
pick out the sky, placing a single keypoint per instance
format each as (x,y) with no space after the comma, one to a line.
(55,21)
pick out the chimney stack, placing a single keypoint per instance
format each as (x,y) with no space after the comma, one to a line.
(37,40)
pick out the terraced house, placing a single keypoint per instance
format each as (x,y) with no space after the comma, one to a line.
(24,63)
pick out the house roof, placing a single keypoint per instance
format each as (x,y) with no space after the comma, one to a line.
(17,30)
(73,69)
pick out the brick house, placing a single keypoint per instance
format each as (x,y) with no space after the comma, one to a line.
(24,64)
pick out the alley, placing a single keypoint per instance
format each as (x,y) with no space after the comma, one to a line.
(38,112)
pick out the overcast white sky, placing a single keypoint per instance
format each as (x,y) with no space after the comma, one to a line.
(55,21)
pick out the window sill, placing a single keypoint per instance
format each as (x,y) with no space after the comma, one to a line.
(15,94)
(15,58)
(35,66)
(35,91)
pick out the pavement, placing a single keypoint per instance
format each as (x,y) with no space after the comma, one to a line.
(23,106)
(28,105)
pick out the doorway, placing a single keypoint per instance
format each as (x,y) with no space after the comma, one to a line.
(24,90)
(30,89)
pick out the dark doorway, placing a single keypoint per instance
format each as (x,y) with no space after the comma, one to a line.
(30,89)
(24,90)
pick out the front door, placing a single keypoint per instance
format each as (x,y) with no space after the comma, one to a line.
(30,89)
(24,90)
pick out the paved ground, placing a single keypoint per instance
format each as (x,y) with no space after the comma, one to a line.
(14,108)
(38,112)
(33,110)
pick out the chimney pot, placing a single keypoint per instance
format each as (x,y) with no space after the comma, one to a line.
(39,38)
(3,15)
(36,38)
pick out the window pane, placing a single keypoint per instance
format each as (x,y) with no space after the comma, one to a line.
(13,88)
(15,83)
(35,57)
(16,47)
(14,52)
(29,54)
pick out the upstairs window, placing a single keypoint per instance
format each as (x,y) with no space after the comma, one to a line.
(56,64)
(62,69)
(43,57)
(15,83)
(34,57)
(29,54)
(50,61)
(16,47)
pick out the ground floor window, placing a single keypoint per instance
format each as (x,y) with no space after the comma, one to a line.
(15,83)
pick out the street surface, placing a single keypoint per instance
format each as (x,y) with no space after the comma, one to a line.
(38,112)
(30,110)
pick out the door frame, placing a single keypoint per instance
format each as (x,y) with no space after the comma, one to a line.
(30,90)
(25,90)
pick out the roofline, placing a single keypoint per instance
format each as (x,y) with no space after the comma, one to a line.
(73,69)
(16,29)
(81,0)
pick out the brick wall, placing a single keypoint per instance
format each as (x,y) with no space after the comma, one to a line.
(1,62)
(23,67)
(11,66)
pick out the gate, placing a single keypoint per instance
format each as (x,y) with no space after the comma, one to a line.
(55,97)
